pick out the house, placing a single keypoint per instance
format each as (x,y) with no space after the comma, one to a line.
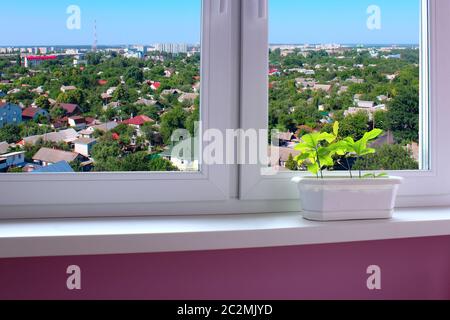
(342,89)
(284,138)
(353,79)
(10,114)
(138,121)
(4,147)
(69,108)
(189,97)
(38,90)
(47,156)
(184,155)
(365,104)
(145,102)
(84,146)
(169,92)
(103,127)
(65,136)
(59,167)
(279,156)
(322,87)
(154,85)
(13,159)
(305,83)
(196,87)
(68,88)
(77,122)
(33,113)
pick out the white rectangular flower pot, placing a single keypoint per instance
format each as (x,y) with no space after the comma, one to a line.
(332,199)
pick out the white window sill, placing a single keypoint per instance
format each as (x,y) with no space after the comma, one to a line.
(32,238)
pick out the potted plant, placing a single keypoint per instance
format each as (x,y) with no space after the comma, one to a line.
(352,197)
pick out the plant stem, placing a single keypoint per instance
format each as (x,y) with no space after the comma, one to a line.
(348,167)
(360,170)
(318,162)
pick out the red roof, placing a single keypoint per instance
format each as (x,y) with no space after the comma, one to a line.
(68,107)
(155,84)
(138,121)
(30,112)
(38,58)
(102,82)
(115,136)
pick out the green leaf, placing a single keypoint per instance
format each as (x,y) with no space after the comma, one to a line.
(336,128)
(303,147)
(375,133)
(311,140)
(367,151)
(313,168)
(328,137)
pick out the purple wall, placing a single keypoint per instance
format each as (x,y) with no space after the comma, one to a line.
(411,269)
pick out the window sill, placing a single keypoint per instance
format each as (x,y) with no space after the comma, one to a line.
(67,237)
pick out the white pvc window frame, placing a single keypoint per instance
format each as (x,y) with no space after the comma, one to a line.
(234,95)
(430,186)
(87,194)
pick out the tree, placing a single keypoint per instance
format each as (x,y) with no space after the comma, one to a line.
(10,133)
(192,120)
(162,165)
(121,94)
(42,102)
(354,125)
(291,164)
(74,96)
(171,121)
(388,157)
(134,73)
(403,114)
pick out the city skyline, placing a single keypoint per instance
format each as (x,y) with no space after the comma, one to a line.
(152,22)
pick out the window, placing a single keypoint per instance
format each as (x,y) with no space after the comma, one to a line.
(89,41)
(360,65)
(276,21)
(123,87)
(251,51)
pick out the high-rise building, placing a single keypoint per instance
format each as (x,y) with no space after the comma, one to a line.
(173,48)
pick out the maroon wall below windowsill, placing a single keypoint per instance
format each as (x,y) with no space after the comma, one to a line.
(411,269)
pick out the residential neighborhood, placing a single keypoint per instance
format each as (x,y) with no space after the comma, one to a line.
(115,109)
(103,110)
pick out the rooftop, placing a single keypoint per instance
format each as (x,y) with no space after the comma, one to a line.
(54,155)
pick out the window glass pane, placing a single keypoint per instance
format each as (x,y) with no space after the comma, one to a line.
(357,62)
(99,86)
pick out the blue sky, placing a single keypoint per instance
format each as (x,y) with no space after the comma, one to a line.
(343,21)
(43,22)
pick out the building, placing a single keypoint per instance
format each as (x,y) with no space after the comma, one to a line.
(10,114)
(104,127)
(63,136)
(173,48)
(84,146)
(77,122)
(46,156)
(279,156)
(30,61)
(13,159)
(189,97)
(138,121)
(69,108)
(33,113)
(4,147)
(59,167)
(68,88)
(184,155)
